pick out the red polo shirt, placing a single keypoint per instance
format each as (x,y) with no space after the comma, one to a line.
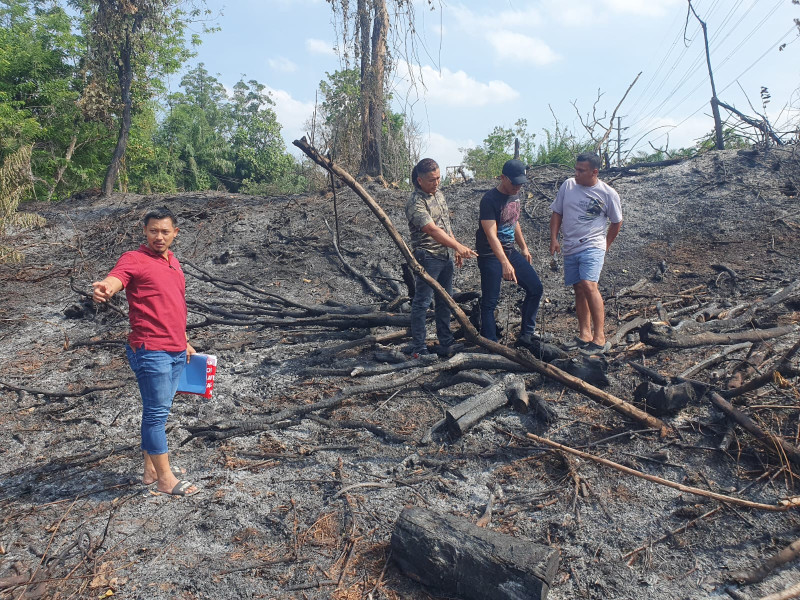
(156,291)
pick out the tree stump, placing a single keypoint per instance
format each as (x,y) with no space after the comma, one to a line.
(461,559)
(465,415)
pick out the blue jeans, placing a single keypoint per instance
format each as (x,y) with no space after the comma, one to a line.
(157,373)
(491,277)
(441,269)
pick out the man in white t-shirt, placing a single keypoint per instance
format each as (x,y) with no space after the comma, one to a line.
(582,211)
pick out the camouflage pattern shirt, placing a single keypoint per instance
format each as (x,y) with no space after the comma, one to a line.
(423,208)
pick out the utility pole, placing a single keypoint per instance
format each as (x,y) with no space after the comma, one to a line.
(714,101)
(620,140)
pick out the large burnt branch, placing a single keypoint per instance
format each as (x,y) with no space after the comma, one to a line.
(470,333)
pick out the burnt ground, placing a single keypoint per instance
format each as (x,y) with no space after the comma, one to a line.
(269,522)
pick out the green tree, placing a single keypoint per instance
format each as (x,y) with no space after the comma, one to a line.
(259,150)
(487,159)
(195,135)
(41,94)
(560,147)
(338,123)
(132,45)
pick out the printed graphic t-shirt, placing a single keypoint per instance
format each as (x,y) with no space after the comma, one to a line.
(585,212)
(496,206)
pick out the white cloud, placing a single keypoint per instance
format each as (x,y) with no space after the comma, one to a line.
(444,150)
(520,47)
(454,88)
(647,8)
(292,114)
(315,46)
(477,24)
(282,64)
(582,13)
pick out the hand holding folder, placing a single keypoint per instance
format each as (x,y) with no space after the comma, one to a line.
(198,375)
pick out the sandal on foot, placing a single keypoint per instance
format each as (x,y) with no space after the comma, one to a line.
(177,471)
(180,489)
(574,344)
(592,349)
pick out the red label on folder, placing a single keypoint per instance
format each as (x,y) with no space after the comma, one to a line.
(211,372)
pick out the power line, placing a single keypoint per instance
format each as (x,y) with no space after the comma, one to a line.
(698,62)
(759,59)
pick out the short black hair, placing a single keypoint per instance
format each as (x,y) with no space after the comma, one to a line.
(589,157)
(423,167)
(161,212)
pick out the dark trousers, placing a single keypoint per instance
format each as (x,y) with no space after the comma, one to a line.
(491,278)
(441,269)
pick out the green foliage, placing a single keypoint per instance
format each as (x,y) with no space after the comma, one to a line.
(61,95)
(15,179)
(40,92)
(730,138)
(338,118)
(338,122)
(211,141)
(486,160)
(560,147)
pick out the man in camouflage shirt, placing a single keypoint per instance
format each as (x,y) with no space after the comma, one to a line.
(431,239)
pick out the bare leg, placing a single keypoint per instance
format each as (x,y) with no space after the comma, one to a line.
(595,310)
(582,312)
(150,474)
(159,463)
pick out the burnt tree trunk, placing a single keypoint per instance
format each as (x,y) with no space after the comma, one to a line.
(125,75)
(373,47)
(468,413)
(461,559)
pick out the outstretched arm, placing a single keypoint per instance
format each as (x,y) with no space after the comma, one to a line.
(104,290)
(441,236)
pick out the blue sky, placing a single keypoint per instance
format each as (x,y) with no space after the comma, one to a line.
(489,63)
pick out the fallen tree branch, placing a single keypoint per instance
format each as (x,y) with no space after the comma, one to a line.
(634,553)
(714,359)
(665,482)
(378,384)
(67,394)
(783,367)
(773,443)
(659,336)
(787,594)
(354,272)
(789,553)
(470,333)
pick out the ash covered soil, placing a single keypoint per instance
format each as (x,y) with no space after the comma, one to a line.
(271,298)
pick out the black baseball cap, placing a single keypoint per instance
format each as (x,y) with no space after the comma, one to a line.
(515,171)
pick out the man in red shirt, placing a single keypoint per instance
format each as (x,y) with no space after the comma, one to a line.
(158,346)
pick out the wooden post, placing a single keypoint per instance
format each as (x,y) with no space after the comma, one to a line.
(461,559)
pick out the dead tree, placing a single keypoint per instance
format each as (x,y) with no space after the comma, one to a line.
(714,101)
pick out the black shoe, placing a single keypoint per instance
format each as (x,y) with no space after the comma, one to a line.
(529,339)
(592,349)
(448,351)
(575,343)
